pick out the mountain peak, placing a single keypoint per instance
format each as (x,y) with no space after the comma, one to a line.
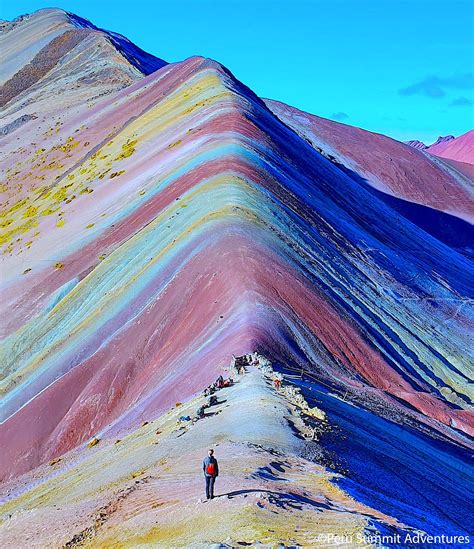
(442,139)
(32,35)
(416,144)
(145,62)
(459,148)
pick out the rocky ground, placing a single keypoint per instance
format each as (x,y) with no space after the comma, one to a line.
(147,488)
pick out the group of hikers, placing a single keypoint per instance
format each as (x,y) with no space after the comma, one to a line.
(210,465)
(238,365)
(220,383)
(308,427)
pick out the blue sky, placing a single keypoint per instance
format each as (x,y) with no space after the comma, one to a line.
(400,67)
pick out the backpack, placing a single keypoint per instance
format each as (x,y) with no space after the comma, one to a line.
(211,469)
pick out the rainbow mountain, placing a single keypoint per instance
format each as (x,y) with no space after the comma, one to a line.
(158,218)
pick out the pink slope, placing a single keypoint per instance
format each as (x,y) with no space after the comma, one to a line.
(460,149)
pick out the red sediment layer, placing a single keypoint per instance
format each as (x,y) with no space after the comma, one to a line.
(148,358)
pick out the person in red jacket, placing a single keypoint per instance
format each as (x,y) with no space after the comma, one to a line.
(211,471)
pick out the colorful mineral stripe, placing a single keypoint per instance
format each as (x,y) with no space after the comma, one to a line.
(158,219)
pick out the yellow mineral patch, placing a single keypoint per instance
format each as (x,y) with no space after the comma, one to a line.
(205,89)
(60,194)
(49,211)
(53,165)
(31,211)
(128,149)
(69,145)
(116,174)
(103,174)
(138,473)
(93,442)
(20,229)
(175,144)
(17,206)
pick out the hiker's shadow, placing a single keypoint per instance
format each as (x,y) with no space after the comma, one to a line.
(217,402)
(210,414)
(236,493)
(284,500)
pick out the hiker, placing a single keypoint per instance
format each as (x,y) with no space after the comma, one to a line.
(211,471)
(228,382)
(209,390)
(200,412)
(220,382)
(277,383)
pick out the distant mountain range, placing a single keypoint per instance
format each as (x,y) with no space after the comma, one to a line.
(455,148)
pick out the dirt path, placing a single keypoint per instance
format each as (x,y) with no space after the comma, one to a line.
(147,489)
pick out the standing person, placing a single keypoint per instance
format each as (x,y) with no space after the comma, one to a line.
(211,471)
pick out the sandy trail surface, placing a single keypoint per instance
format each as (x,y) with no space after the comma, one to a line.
(148,489)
